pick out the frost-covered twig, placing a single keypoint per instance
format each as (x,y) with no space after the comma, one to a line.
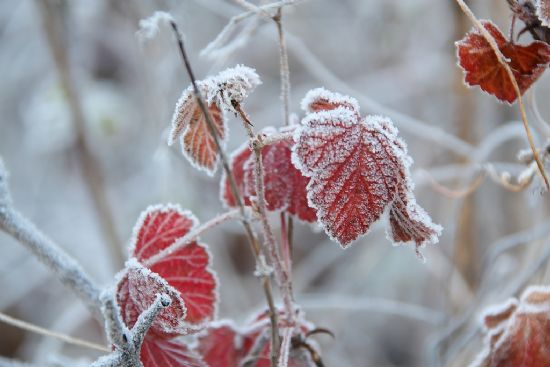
(285,346)
(194,234)
(46,332)
(284,69)
(89,166)
(226,31)
(504,62)
(128,348)
(255,246)
(274,251)
(62,265)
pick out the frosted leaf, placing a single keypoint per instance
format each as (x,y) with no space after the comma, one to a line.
(233,85)
(188,121)
(137,291)
(543,12)
(320,99)
(353,167)
(219,92)
(187,269)
(359,168)
(518,332)
(173,353)
(481,66)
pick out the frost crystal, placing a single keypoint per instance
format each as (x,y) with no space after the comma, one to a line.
(188,121)
(358,170)
(543,12)
(149,27)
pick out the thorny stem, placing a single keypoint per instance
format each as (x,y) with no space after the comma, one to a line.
(89,165)
(284,69)
(502,60)
(43,331)
(64,266)
(193,235)
(255,246)
(281,274)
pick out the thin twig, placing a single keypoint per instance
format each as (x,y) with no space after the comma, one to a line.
(46,332)
(193,235)
(280,273)
(255,246)
(284,69)
(89,166)
(502,60)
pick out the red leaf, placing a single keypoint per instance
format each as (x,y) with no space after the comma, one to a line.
(543,11)
(186,269)
(358,168)
(197,142)
(238,160)
(224,345)
(481,66)
(408,221)
(163,353)
(353,167)
(285,186)
(320,99)
(137,290)
(518,333)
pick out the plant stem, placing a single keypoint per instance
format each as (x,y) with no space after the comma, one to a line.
(284,69)
(502,60)
(255,246)
(193,235)
(43,331)
(281,275)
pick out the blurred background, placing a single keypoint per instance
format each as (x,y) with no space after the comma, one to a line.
(84,164)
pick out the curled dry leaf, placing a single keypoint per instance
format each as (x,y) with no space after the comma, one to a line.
(481,66)
(359,168)
(518,332)
(285,186)
(190,125)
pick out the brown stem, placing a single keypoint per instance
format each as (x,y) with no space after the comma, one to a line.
(255,246)
(89,165)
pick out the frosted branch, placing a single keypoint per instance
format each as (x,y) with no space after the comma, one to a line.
(69,272)
(127,354)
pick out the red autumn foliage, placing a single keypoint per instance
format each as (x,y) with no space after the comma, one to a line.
(358,168)
(481,66)
(518,332)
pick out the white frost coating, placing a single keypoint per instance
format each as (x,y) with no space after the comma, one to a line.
(543,12)
(136,273)
(160,209)
(149,27)
(322,94)
(233,84)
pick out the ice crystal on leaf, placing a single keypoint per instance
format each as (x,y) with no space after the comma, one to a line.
(543,11)
(481,66)
(137,291)
(189,123)
(358,169)
(285,186)
(518,332)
